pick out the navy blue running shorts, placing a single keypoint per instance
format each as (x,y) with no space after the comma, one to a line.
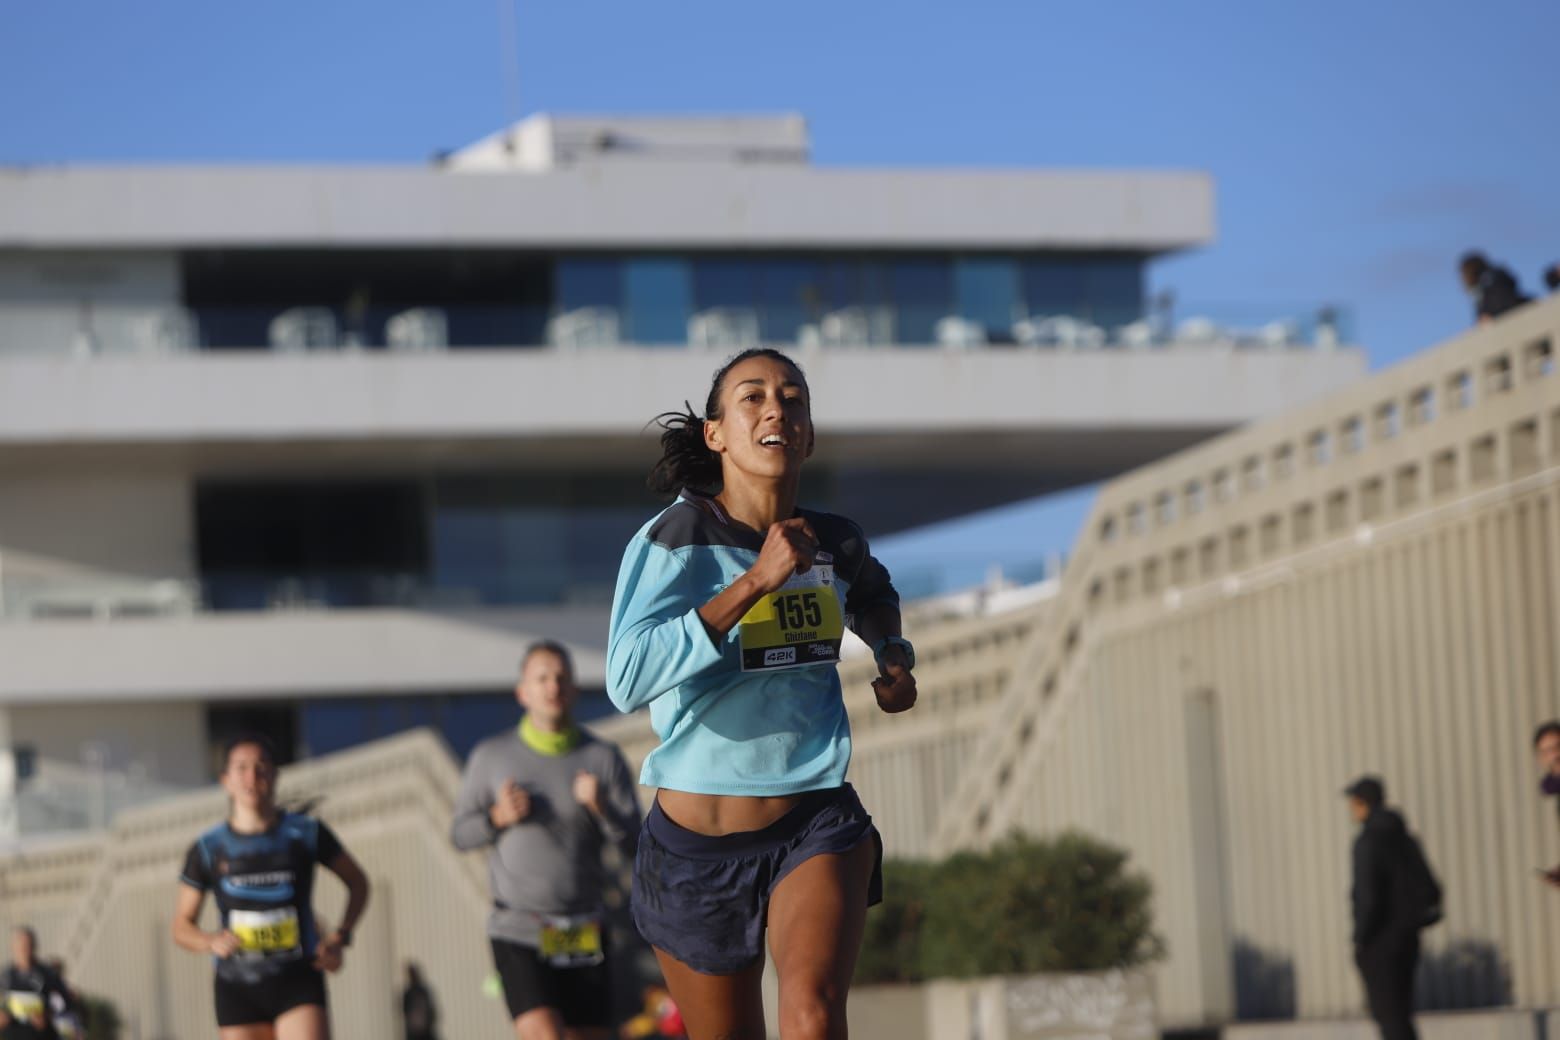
(704,899)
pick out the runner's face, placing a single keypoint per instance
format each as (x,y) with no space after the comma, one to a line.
(1549,752)
(21,949)
(249,779)
(546,689)
(765,429)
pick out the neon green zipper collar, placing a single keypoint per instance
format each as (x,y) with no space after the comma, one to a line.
(550,744)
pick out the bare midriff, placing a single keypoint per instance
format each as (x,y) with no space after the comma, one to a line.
(714,815)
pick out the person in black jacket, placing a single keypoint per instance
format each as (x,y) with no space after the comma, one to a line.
(1546,748)
(1493,288)
(419,1015)
(29,991)
(1391,904)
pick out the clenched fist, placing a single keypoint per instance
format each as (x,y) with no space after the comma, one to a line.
(511,806)
(587,791)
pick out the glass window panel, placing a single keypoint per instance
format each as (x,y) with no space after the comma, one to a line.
(792,294)
(532,537)
(500,556)
(1114,290)
(657,299)
(922,295)
(470,718)
(589,282)
(852,282)
(1053,286)
(334,725)
(987,290)
(1102,289)
(725,282)
(596,538)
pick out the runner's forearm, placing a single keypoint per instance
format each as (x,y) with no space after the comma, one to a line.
(191,936)
(721,614)
(878,622)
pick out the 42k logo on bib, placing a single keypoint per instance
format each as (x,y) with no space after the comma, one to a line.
(798,624)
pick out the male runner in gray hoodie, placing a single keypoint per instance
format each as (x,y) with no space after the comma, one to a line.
(545,798)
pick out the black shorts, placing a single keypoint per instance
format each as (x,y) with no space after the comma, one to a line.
(581,996)
(705,900)
(267,999)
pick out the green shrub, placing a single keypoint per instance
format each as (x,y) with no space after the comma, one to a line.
(102,1018)
(891,950)
(1027,905)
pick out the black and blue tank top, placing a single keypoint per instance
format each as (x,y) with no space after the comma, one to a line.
(263,885)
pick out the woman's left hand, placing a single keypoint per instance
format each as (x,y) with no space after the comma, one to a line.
(327,957)
(895,687)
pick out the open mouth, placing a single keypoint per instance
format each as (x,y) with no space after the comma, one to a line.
(773,440)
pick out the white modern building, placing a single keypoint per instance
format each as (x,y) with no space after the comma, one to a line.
(316,450)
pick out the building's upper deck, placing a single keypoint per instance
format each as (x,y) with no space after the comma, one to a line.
(641,205)
(608,183)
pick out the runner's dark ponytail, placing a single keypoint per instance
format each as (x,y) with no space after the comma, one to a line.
(686,461)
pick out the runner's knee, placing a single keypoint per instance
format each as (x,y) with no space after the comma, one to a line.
(539,1024)
(813,1011)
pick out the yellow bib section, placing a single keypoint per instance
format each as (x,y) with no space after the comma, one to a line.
(797,625)
(265,931)
(24,1005)
(571,941)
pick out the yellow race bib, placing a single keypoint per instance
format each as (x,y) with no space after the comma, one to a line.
(797,625)
(266,931)
(24,1005)
(571,942)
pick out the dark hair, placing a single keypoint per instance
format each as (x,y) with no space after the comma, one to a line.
(259,740)
(1368,789)
(686,461)
(549,646)
(1552,276)
(1552,726)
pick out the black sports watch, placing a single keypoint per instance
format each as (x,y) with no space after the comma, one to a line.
(888,641)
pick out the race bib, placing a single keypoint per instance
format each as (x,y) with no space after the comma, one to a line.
(797,625)
(266,931)
(572,942)
(24,1005)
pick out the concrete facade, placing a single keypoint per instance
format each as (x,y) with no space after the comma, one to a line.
(1363,585)
(654,205)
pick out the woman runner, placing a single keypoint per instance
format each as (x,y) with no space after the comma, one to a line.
(270,960)
(728,617)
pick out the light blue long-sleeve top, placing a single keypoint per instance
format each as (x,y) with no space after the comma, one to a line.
(779,728)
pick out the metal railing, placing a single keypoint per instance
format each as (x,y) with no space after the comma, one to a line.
(31,589)
(89,328)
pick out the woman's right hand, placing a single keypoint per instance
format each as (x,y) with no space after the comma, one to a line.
(224,944)
(789,549)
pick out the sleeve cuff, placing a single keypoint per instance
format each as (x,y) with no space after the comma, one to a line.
(707,649)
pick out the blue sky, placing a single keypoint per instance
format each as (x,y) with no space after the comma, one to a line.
(1357,148)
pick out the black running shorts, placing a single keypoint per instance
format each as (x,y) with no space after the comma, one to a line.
(265,1000)
(582,996)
